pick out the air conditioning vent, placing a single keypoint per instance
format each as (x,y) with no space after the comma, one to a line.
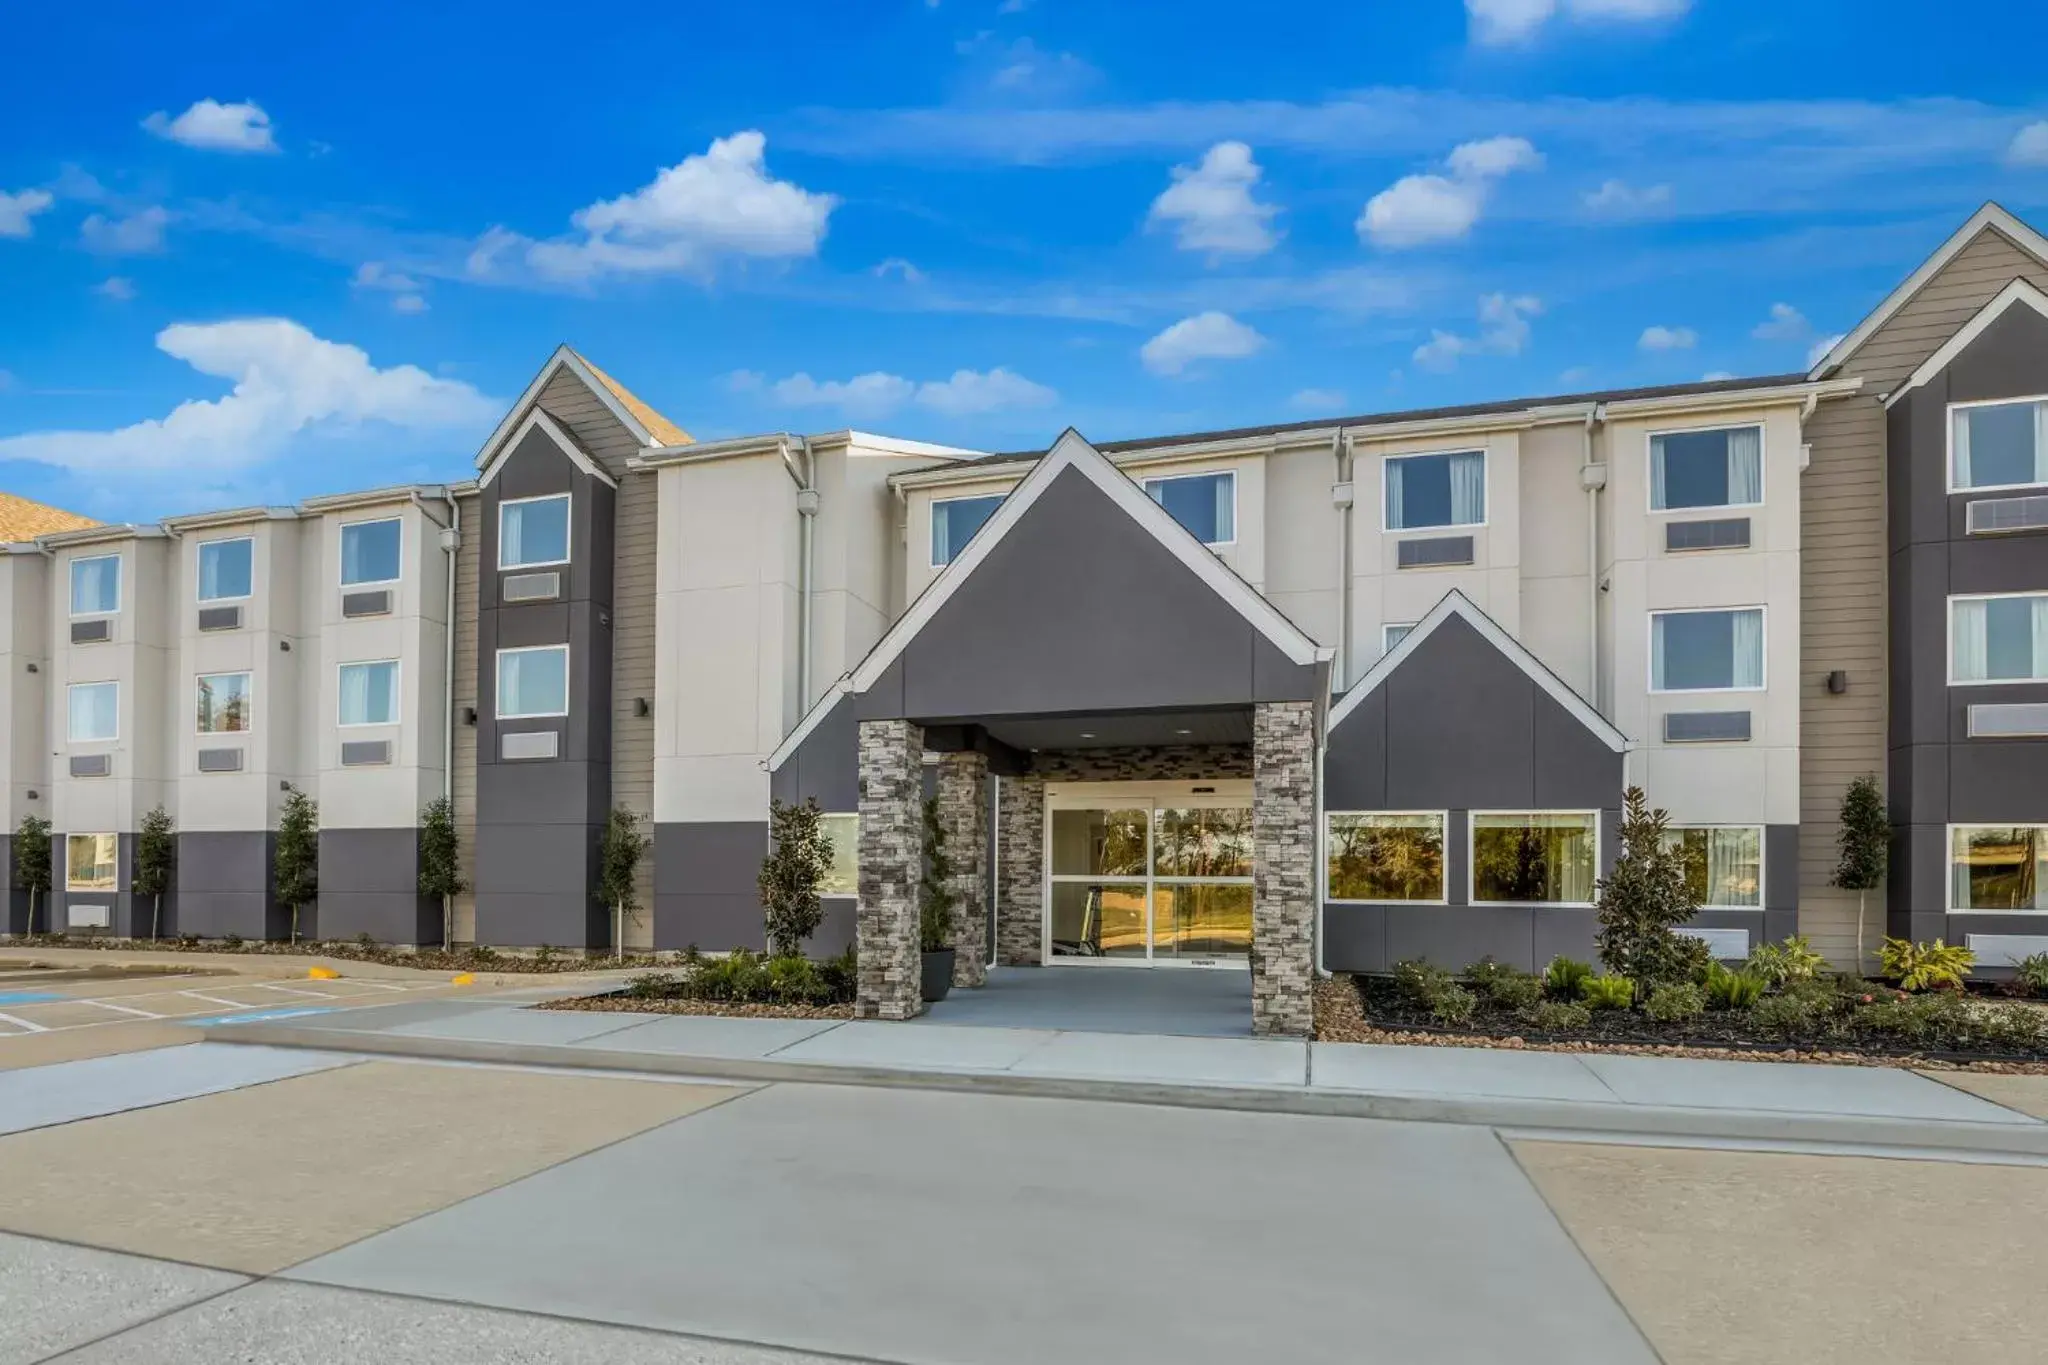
(365,753)
(220,618)
(521,744)
(220,760)
(92,632)
(89,914)
(1434,552)
(92,765)
(532,587)
(1705,727)
(1730,533)
(376,603)
(2004,950)
(1728,945)
(2003,720)
(1990,516)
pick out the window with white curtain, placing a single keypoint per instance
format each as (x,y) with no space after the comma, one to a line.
(370,552)
(96,585)
(533,682)
(93,711)
(1204,503)
(369,693)
(1535,858)
(1719,468)
(1998,867)
(226,569)
(1998,639)
(954,522)
(533,532)
(1724,864)
(1435,490)
(1998,445)
(1391,635)
(1707,651)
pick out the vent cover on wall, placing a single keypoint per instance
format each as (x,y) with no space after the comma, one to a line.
(220,618)
(91,632)
(1705,727)
(532,587)
(529,744)
(89,914)
(365,753)
(1729,533)
(1434,552)
(2003,950)
(220,760)
(92,765)
(1992,720)
(376,603)
(1989,516)
(1729,945)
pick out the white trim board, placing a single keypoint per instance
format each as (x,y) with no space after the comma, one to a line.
(2019,291)
(563,358)
(555,433)
(1455,603)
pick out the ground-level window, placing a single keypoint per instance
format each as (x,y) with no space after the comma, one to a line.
(1391,635)
(1722,468)
(533,682)
(1385,857)
(94,711)
(1707,651)
(1998,867)
(1435,490)
(1998,445)
(369,693)
(1998,639)
(842,878)
(222,703)
(954,522)
(1535,857)
(1204,503)
(89,862)
(1724,864)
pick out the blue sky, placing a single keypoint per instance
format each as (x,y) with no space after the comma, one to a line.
(248,256)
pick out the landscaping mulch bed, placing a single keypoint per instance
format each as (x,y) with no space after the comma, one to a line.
(626,1004)
(426,959)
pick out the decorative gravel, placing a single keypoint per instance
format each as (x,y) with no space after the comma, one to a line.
(626,1004)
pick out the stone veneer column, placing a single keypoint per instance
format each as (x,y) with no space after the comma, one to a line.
(1283,868)
(963,814)
(891,863)
(1020,871)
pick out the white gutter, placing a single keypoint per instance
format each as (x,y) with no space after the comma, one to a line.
(1343,495)
(1593,477)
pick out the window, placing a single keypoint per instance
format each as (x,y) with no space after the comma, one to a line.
(96,585)
(1204,503)
(369,693)
(1722,468)
(1998,639)
(533,531)
(1385,857)
(954,522)
(226,568)
(223,703)
(1435,490)
(1707,651)
(369,552)
(1724,865)
(89,862)
(1391,635)
(1537,858)
(1998,445)
(1998,867)
(843,877)
(95,711)
(533,682)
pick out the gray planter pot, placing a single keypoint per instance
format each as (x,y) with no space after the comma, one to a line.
(938,974)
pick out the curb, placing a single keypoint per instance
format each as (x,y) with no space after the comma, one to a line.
(288,967)
(1586,1121)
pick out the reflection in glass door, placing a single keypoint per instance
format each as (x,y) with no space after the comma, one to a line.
(1141,882)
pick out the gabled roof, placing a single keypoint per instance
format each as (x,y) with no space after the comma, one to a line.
(2019,292)
(1992,217)
(1455,603)
(648,427)
(554,432)
(22,519)
(660,428)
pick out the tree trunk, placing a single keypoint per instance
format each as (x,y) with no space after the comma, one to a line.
(295,926)
(619,930)
(156,915)
(31,912)
(1860,895)
(447,924)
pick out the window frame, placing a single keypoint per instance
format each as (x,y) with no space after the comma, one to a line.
(397,695)
(114,738)
(1145,484)
(1485,490)
(854,816)
(1949,647)
(568,499)
(198,678)
(1948,443)
(341,555)
(498,683)
(1948,863)
(1472,861)
(1763,855)
(1763,468)
(1407,627)
(113,882)
(71,586)
(932,521)
(1443,819)
(1650,653)
(199,549)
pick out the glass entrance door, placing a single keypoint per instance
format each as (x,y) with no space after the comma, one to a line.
(1149,881)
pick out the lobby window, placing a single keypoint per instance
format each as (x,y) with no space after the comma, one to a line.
(1204,503)
(1724,864)
(1720,468)
(1391,635)
(93,712)
(533,532)
(1535,858)
(224,703)
(1998,639)
(1375,857)
(89,861)
(226,568)
(1998,445)
(954,522)
(1424,491)
(842,878)
(369,693)
(96,585)
(533,682)
(1707,651)
(370,552)
(1998,867)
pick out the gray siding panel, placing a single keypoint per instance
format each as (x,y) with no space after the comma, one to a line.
(224,887)
(826,765)
(706,891)
(369,884)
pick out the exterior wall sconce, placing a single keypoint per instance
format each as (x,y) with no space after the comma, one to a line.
(1838,682)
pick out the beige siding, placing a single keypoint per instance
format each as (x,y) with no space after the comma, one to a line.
(464,784)
(1944,303)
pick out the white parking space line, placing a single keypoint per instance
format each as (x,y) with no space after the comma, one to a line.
(122,1009)
(220,1000)
(288,990)
(24,1025)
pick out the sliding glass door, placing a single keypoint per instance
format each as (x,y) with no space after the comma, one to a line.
(1149,881)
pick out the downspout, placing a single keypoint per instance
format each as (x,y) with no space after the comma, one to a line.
(1593,478)
(451,543)
(1343,495)
(807,516)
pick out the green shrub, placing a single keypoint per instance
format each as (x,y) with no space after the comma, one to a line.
(231,941)
(1792,960)
(1563,977)
(1556,1016)
(840,976)
(736,977)
(483,952)
(1644,899)
(1939,1020)
(792,980)
(1607,992)
(651,985)
(1505,987)
(1789,1016)
(1730,990)
(1453,1005)
(2012,1026)
(1925,966)
(1675,1004)
(1420,982)
(2031,973)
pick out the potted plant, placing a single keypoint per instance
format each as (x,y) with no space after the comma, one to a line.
(935,903)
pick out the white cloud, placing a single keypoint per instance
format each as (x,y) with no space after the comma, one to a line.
(1506,23)
(286,381)
(217,127)
(408,304)
(16,209)
(2029,146)
(1661,338)
(1019,69)
(1785,323)
(1716,376)
(1619,199)
(744,381)
(1821,348)
(116,287)
(1419,209)
(1205,336)
(1317,401)
(969,393)
(896,265)
(1210,206)
(717,204)
(1503,330)
(865,395)
(376,277)
(139,234)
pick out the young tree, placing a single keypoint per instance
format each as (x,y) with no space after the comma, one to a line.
(935,895)
(440,868)
(298,853)
(793,874)
(32,860)
(619,857)
(156,850)
(1643,900)
(1864,842)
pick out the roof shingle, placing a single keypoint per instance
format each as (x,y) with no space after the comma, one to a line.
(23,520)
